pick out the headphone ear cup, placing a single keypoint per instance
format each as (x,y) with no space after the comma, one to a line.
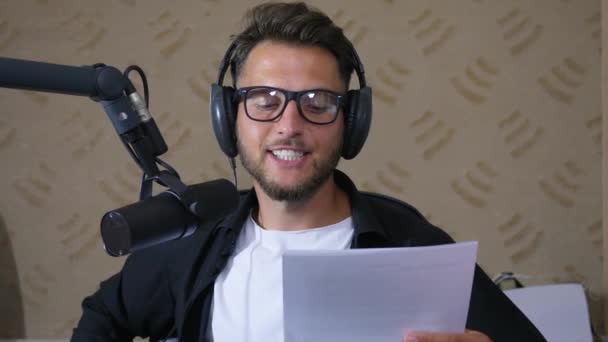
(223,118)
(357,121)
(352,98)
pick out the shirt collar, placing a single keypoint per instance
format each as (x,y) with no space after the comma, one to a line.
(369,231)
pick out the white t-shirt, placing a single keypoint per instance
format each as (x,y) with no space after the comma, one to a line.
(248,295)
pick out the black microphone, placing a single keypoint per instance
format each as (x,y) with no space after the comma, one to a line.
(166,216)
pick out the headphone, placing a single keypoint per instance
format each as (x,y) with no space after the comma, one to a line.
(357,112)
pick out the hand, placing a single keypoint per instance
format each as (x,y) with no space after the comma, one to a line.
(467,336)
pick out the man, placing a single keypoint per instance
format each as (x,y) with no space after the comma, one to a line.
(292,69)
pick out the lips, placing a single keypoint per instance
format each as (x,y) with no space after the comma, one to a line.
(290,155)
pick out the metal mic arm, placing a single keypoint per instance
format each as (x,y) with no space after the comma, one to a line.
(127,111)
(97,82)
(154,219)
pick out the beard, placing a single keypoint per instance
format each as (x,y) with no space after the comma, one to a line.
(322,170)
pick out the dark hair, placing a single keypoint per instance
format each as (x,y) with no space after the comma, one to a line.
(293,23)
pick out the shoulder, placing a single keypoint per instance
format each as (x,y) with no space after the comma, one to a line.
(403,222)
(392,206)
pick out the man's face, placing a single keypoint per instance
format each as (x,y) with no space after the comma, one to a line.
(289,158)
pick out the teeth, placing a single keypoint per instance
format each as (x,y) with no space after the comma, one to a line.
(288,154)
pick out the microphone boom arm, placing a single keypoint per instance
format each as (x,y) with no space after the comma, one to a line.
(170,215)
(104,84)
(98,82)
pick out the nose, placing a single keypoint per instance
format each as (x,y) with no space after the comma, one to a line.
(290,123)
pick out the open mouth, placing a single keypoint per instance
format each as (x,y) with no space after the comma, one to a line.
(288,155)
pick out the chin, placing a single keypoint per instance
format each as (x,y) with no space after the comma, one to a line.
(293,191)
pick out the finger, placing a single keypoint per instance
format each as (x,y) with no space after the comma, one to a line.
(469,335)
(429,337)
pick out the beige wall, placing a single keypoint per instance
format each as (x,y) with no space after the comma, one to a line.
(487,118)
(605,159)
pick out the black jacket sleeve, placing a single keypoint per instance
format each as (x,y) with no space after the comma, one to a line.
(493,313)
(103,315)
(137,301)
(490,310)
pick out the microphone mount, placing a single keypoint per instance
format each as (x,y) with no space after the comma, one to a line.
(170,215)
(113,89)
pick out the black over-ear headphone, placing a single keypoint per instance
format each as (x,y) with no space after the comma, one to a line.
(357,112)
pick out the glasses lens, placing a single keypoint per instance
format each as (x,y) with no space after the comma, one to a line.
(319,106)
(264,103)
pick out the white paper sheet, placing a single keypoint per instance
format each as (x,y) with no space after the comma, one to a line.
(558,311)
(376,295)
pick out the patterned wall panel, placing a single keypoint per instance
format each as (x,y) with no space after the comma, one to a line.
(486,117)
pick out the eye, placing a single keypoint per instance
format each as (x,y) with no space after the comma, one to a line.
(319,102)
(264,99)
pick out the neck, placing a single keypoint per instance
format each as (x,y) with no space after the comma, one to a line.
(328,205)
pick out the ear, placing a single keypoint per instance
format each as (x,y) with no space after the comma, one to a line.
(223,117)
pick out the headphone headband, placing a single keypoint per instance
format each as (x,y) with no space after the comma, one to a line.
(225,63)
(227,60)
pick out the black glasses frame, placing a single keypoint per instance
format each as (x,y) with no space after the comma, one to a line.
(241,95)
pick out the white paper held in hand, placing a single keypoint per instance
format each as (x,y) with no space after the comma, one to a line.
(378,294)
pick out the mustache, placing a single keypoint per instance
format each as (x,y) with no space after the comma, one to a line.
(295,142)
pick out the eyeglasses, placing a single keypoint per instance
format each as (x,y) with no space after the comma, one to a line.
(318,106)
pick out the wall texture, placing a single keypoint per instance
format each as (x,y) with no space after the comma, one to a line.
(487,118)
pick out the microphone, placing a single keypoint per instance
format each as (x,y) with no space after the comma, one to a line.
(166,216)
